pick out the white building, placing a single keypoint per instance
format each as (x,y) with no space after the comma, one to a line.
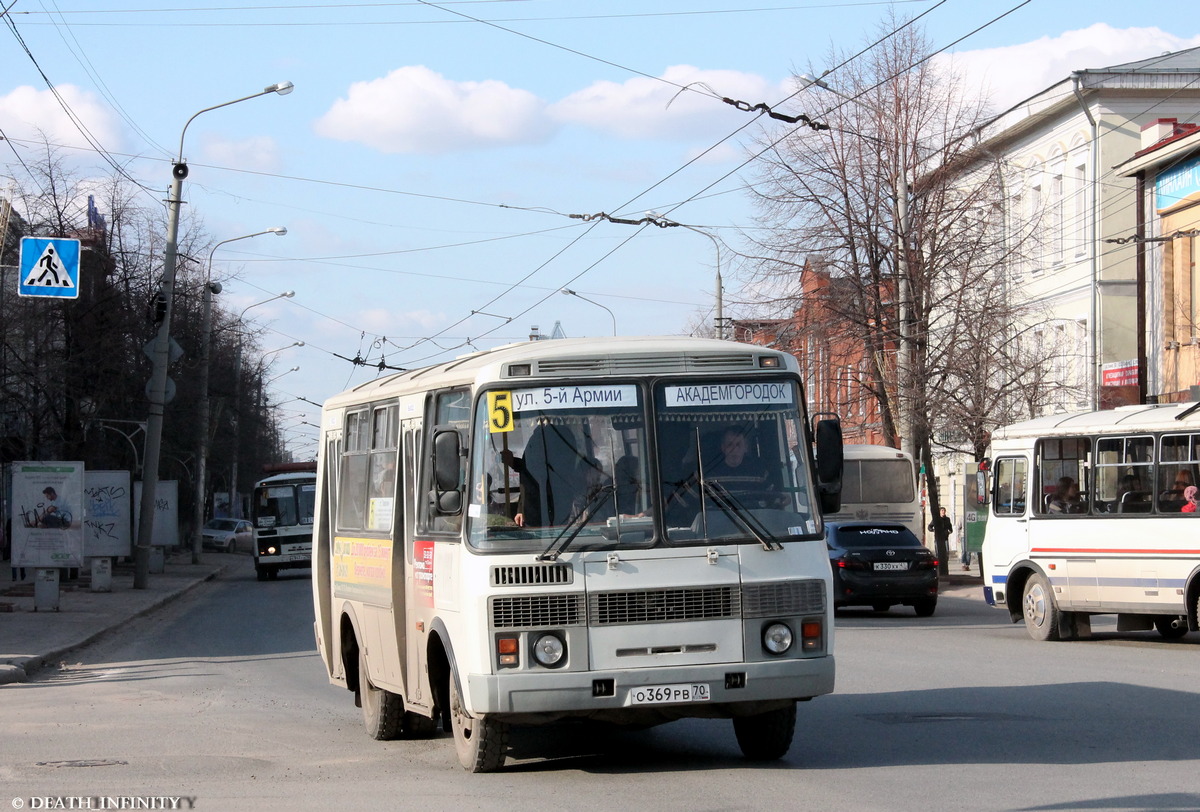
(1060,148)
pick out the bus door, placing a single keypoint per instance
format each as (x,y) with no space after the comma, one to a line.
(1008,528)
(409,604)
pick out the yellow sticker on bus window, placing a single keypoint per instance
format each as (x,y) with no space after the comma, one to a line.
(500,416)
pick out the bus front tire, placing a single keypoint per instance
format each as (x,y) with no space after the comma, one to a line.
(766,736)
(479,741)
(1041,612)
(383,711)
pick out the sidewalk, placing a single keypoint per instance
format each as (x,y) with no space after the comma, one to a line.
(30,639)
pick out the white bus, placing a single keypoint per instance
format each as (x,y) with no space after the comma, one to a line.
(551,531)
(1089,516)
(282,513)
(880,485)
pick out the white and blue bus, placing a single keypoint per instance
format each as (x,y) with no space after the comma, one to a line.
(604,529)
(1089,516)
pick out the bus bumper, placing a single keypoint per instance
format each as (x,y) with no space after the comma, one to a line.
(600,694)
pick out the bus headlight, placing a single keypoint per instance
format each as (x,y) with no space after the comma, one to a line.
(777,638)
(549,650)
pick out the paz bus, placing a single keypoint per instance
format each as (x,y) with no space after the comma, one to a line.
(1090,515)
(282,513)
(601,529)
(880,485)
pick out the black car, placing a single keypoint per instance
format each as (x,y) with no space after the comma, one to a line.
(879,564)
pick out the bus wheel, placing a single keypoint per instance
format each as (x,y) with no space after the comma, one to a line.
(1041,612)
(261,573)
(766,736)
(383,711)
(480,742)
(1171,627)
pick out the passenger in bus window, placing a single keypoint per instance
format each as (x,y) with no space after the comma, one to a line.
(1189,495)
(1173,498)
(1066,497)
(1131,496)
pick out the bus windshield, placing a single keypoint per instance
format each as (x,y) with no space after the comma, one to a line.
(565,461)
(284,505)
(731,462)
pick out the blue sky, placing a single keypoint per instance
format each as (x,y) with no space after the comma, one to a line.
(427,159)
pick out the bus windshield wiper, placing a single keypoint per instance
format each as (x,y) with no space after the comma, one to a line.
(738,512)
(576,523)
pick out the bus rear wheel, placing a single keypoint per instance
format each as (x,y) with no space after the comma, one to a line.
(1171,627)
(479,741)
(383,711)
(766,736)
(1040,610)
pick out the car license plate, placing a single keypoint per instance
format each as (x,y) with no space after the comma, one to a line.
(891,565)
(664,694)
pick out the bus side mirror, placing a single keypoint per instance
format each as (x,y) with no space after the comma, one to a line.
(981,483)
(829,464)
(447,472)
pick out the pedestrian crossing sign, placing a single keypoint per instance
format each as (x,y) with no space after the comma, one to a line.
(49,267)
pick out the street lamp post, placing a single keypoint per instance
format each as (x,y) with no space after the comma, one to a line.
(569,292)
(160,353)
(237,393)
(719,317)
(903,227)
(210,288)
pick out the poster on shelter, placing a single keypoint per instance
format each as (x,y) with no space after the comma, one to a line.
(107,518)
(47,514)
(166,513)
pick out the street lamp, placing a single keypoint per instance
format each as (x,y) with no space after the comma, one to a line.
(719,318)
(903,227)
(237,392)
(569,292)
(280,375)
(210,288)
(160,352)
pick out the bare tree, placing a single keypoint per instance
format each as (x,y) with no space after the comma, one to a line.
(906,214)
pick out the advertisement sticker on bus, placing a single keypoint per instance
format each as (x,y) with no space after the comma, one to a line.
(761,393)
(423,572)
(361,568)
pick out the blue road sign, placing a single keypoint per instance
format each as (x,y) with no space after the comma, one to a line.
(49,267)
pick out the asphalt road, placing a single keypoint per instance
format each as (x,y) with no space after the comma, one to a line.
(219,699)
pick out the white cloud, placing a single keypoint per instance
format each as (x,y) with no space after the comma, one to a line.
(415,110)
(260,153)
(647,108)
(1014,73)
(27,110)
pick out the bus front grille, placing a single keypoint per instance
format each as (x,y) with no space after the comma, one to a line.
(776,598)
(537,611)
(663,605)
